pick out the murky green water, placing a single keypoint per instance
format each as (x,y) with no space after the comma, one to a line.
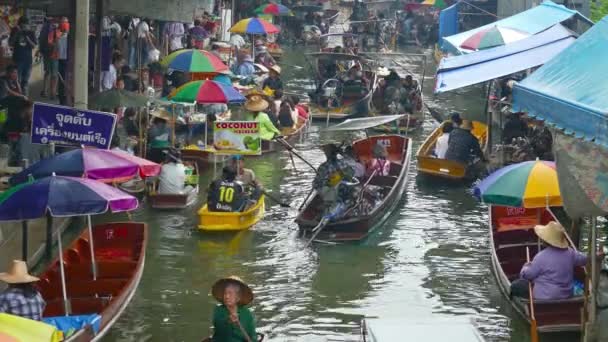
(431,259)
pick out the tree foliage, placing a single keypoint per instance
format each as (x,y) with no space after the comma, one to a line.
(599,9)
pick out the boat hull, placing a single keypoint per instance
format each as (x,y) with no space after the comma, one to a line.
(120,257)
(429,165)
(358,228)
(511,231)
(216,221)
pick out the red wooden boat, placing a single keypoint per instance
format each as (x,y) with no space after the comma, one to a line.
(392,189)
(511,231)
(292,135)
(120,251)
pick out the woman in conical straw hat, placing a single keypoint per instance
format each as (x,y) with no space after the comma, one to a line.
(232,320)
(21,298)
(552,269)
(256,105)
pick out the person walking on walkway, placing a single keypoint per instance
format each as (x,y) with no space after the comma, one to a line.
(23,42)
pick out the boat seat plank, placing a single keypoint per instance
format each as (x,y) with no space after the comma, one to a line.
(516,223)
(384,181)
(514,237)
(83,288)
(78,306)
(105,269)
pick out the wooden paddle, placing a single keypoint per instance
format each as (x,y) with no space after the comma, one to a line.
(291,149)
(533,327)
(317,230)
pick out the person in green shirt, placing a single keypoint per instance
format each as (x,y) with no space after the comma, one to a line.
(255,105)
(159,137)
(232,320)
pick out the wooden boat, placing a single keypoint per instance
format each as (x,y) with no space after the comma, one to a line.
(391,188)
(292,135)
(202,157)
(430,165)
(217,221)
(435,330)
(120,251)
(511,231)
(176,201)
(409,124)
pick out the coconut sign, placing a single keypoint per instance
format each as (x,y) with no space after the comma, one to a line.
(237,137)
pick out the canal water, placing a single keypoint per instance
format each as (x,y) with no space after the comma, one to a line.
(430,261)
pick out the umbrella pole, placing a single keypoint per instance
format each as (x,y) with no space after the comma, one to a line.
(24,238)
(62,273)
(173,125)
(93,264)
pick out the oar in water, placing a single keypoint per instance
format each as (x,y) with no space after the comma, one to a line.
(291,149)
(278,201)
(317,230)
(533,327)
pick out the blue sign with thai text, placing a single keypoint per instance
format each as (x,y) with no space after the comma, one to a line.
(70,126)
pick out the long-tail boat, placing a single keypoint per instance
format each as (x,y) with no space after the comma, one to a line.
(335,100)
(430,165)
(176,201)
(120,253)
(292,135)
(390,188)
(511,233)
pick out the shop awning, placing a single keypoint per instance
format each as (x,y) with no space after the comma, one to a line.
(464,70)
(570,90)
(532,21)
(448,21)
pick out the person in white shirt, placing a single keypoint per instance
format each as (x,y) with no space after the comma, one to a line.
(173,175)
(441,146)
(237,41)
(173,34)
(109,78)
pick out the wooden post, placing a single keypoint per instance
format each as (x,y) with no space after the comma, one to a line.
(98,43)
(24,238)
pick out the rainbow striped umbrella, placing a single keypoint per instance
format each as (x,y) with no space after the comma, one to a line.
(531,184)
(206,92)
(254,26)
(434,3)
(492,37)
(273,9)
(193,60)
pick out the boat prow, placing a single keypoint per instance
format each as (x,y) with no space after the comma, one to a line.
(218,221)
(120,250)
(511,233)
(430,165)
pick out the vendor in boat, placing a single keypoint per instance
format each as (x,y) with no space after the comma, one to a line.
(256,105)
(379,164)
(352,159)
(463,146)
(441,146)
(232,320)
(273,81)
(330,175)
(226,194)
(515,127)
(246,176)
(172,178)
(159,135)
(552,269)
(262,56)
(21,297)
(244,66)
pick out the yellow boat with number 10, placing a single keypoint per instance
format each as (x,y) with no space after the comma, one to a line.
(221,221)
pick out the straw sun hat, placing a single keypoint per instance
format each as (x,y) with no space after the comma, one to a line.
(218,289)
(17,274)
(552,233)
(256,103)
(276,69)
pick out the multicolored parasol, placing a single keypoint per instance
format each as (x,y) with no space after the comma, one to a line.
(192,60)
(254,26)
(207,92)
(101,165)
(531,184)
(62,196)
(273,9)
(492,37)
(435,3)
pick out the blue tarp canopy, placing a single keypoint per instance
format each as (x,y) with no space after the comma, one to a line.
(570,91)
(532,21)
(464,70)
(448,21)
